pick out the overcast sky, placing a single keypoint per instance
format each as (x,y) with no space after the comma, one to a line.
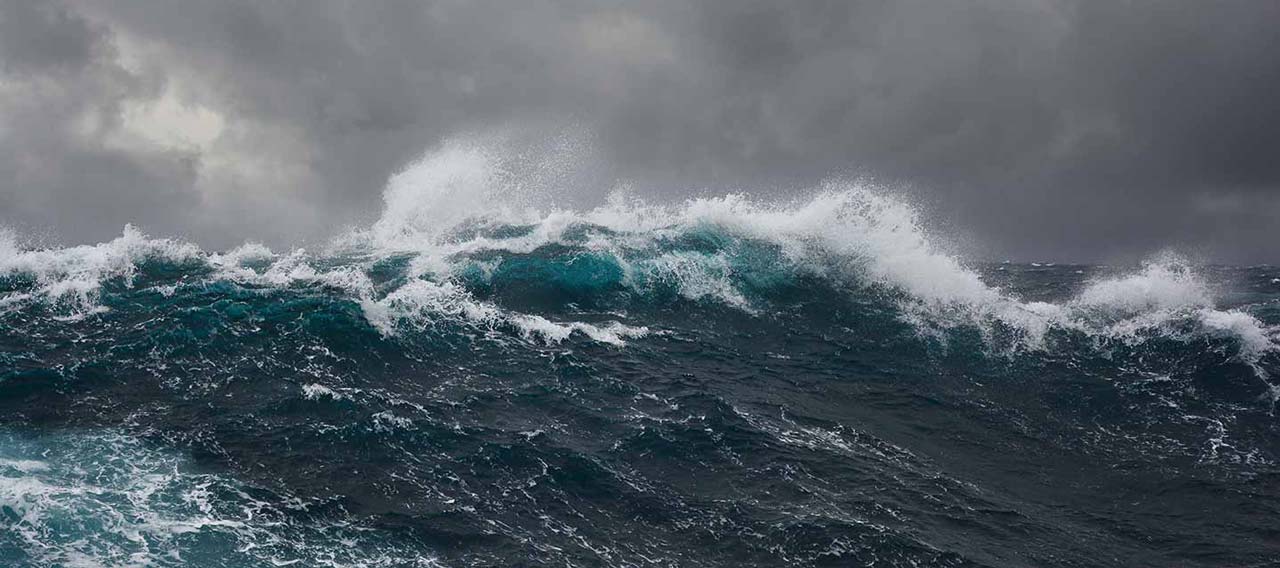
(1068,130)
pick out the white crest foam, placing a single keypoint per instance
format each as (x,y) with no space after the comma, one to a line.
(73,276)
(845,230)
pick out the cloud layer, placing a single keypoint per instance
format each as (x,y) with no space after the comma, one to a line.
(1047,129)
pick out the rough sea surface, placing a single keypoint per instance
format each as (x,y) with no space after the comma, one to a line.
(716,383)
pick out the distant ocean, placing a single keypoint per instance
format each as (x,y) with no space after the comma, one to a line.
(723,382)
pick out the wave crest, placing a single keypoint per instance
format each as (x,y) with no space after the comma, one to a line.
(72,277)
(464,217)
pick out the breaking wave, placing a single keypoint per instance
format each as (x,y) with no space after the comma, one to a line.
(456,222)
(485,376)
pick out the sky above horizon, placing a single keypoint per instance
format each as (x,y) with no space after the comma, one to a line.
(1065,130)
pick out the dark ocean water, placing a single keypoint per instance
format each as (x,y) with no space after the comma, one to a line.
(717,384)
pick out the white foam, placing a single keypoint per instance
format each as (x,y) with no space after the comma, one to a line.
(612,333)
(424,304)
(1256,339)
(386,421)
(465,180)
(1164,283)
(315,391)
(1164,295)
(74,276)
(283,271)
(247,252)
(701,276)
(25,466)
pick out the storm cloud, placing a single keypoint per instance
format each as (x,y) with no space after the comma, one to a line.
(1040,129)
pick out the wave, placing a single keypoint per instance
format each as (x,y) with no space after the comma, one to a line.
(460,222)
(462,202)
(74,276)
(486,374)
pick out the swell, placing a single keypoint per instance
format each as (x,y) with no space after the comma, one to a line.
(472,228)
(630,381)
(444,266)
(844,246)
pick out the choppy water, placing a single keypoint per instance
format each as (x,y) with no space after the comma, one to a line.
(717,383)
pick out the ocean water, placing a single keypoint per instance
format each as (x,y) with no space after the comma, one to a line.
(474,380)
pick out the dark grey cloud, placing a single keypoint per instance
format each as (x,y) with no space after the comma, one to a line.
(59,87)
(1054,129)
